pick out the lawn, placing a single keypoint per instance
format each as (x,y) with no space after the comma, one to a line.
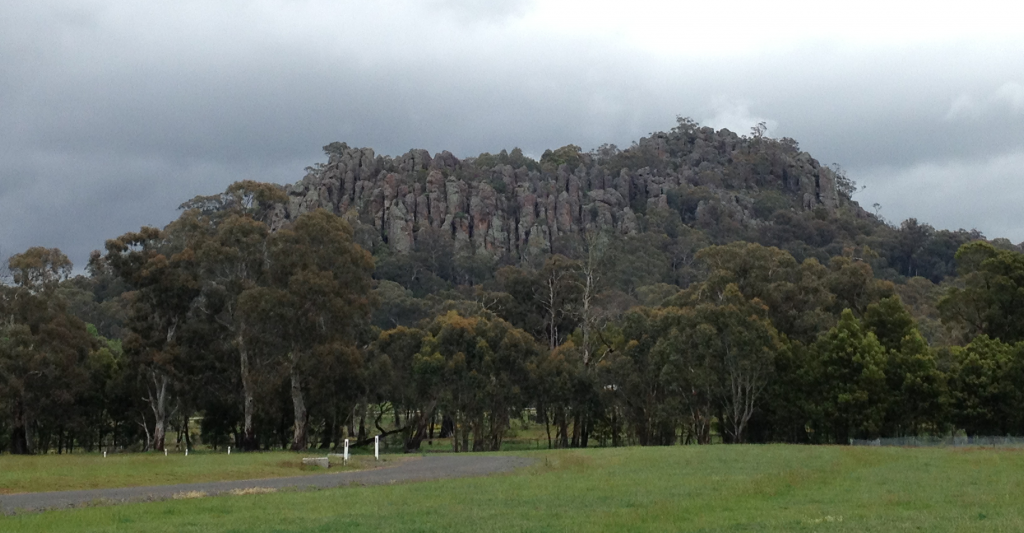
(41,473)
(691,488)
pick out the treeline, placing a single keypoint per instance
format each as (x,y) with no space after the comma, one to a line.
(301,338)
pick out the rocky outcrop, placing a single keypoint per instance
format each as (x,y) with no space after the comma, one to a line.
(520,212)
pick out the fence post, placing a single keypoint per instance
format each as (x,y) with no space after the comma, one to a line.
(376,448)
(345,455)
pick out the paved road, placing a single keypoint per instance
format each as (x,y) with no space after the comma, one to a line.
(414,469)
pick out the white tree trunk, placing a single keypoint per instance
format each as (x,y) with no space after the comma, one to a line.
(158,402)
(248,397)
(298,406)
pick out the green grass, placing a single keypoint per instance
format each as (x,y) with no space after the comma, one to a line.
(41,473)
(710,488)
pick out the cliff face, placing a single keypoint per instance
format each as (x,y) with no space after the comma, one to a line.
(513,206)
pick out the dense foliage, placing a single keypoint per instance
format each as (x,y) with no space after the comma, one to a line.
(803,322)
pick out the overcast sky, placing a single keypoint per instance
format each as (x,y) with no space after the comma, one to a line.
(112,113)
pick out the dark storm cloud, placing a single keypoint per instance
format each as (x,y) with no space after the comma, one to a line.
(113,113)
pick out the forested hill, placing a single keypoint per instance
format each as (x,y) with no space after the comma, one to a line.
(697,286)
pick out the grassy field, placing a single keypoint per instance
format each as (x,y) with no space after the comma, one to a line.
(711,488)
(40,473)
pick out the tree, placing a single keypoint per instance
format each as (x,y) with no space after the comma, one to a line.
(320,293)
(629,262)
(234,260)
(796,296)
(846,186)
(39,269)
(160,269)
(728,343)
(644,380)
(559,296)
(985,398)
(854,286)
(545,302)
(792,410)
(742,344)
(476,369)
(991,298)
(852,391)
(43,349)
(398,306)
(590,283)
(917,389)
(569,154)
(551,389)
(394,353)
(5,268)
(757,132)
(229,238)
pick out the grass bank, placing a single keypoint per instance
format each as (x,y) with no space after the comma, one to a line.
(710,488)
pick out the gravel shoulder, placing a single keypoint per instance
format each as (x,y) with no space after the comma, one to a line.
(414,469)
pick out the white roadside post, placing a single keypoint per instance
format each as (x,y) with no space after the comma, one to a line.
(344,456)
(376,448)
(104,453)
(165,452)
(186,452)
(229,450)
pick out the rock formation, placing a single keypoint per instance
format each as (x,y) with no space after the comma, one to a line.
(517,207)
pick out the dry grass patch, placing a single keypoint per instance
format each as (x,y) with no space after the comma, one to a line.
(252,490)
(190,494)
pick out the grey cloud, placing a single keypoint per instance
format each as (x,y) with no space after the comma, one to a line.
(1007,100)
(75,203)
(971,194)
(112,120)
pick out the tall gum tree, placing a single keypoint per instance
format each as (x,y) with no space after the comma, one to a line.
(43,349)
(233,257)
(737,344)
(990,298)
(320,282)
(476,369)
(160,269)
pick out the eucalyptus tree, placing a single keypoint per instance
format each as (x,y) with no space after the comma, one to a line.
(215,251)
(990,298)
(476,369)
(797,299)
(44,350)
(394,354)
(318,295)
(736,343)
(545,302)
(234,258)
(161,271)
(640,379)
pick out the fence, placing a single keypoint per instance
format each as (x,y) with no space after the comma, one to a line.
(948,442)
